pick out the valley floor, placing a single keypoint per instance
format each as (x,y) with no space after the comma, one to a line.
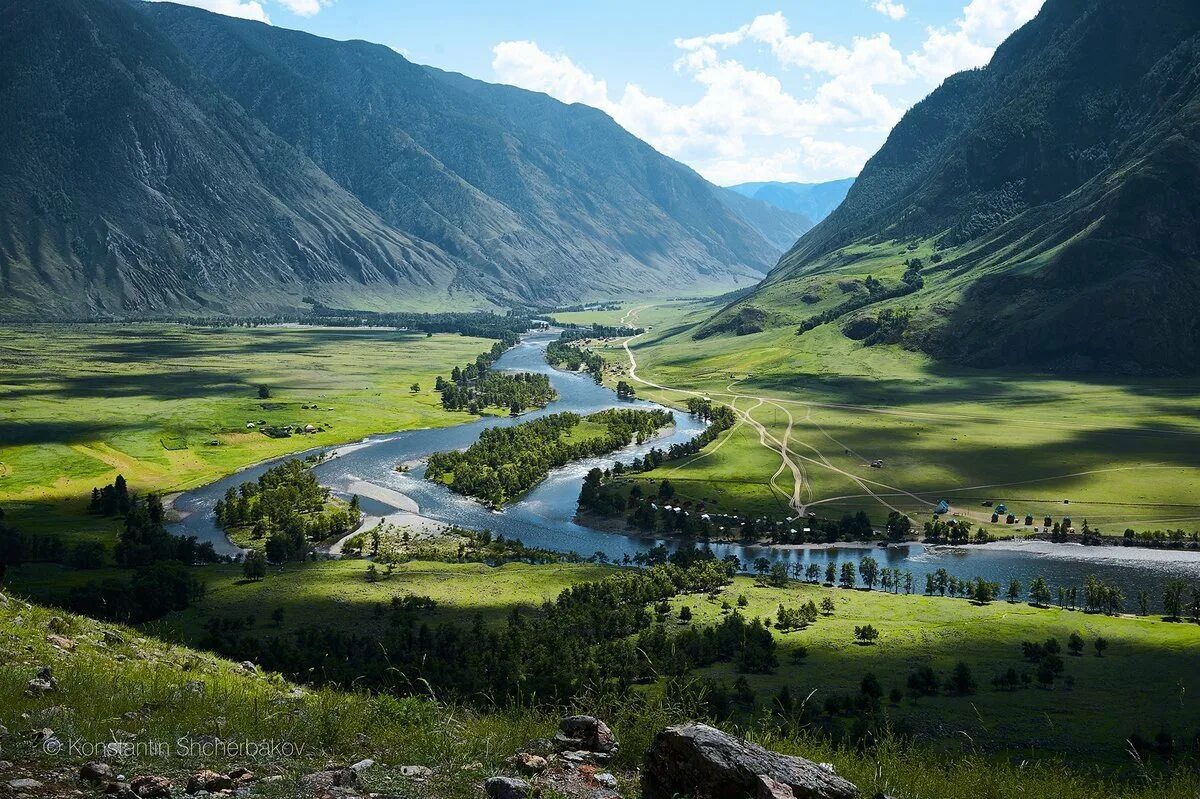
(169,406)
(816,411)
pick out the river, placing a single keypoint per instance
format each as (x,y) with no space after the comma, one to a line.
(545,516)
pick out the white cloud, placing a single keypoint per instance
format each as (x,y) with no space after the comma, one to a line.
(245,9)
(305,8)
(893,11)
(972,38)
(746,125)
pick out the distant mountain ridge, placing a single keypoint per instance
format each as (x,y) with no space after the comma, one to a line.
(812,200)
(1039,212)
(160,157)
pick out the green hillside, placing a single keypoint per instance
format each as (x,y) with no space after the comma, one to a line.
(1042,208)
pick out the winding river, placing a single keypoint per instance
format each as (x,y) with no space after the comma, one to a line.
(544,517)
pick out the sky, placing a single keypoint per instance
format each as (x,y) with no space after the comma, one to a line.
(794,90)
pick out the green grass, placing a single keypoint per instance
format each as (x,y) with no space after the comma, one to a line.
(1124,452)
(337,594)
(1146,681)
(81,403)
(154,691)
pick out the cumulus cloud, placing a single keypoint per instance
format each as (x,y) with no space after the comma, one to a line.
(305,8)
(972,38)
(245,9)
(746,125)
(895,11)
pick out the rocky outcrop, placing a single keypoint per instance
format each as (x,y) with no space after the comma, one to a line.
(702,762)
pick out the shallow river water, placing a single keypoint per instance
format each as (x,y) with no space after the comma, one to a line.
(544,517)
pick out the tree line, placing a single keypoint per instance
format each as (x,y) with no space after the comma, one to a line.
(507,461)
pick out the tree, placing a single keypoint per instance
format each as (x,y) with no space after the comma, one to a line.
(264,392)
(869,570)
(866,634)
(254,567)
(1075,644)
(827,606)
(1014,590)
(830,574)
(1101,644)
(685,614)
(277,616)
(415,388)
(961,682)
(924,681)
(372,574)
(898,526)
(1173,599)
(847,579)
(761,565)
(1039,593)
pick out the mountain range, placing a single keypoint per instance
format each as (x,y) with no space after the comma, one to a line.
(1040,211)
(814,201)
(159,158)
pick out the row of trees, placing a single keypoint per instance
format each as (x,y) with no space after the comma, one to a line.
(473,391)
(507,461)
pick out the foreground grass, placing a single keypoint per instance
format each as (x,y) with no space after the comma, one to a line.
(1122,452)
(82,403)
(135,688)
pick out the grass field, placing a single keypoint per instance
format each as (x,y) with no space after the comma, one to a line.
(1152,665)
(336,593)
(1145,682)
(125,686)
(81,403)
(1123,453)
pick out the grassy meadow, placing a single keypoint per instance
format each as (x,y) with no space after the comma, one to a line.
(1153,666)
(167,405)
(1117,452)
(121,685)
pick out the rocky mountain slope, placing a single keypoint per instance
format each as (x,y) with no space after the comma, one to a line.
(162,158)
(1039,211)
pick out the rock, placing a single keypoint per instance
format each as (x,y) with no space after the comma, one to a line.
(24,784)
(586,734)
(113,638)
(362,765)
(57,624)
(3,731)
(6,765)
(61,642)
(529,763)
(568,780)
(248,666)
(43,683)
(330,782)
(416,772)
(209,781)
(701,762)
(240,775)
(506,788)
(150,786)
(97,772)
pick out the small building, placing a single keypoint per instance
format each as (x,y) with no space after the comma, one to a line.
(943,506)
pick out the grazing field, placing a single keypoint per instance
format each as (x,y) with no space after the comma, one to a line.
(1146,681)
(1117,452)
(168,406)
(336,593)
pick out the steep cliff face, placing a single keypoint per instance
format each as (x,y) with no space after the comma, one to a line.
(158,157)
(1044,199)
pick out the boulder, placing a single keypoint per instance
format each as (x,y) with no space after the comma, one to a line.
(24,784)
(529,763)
(96,772)
(702,762)
(570,780)
(506,788)
(585,734)
(150,786)
(209,781)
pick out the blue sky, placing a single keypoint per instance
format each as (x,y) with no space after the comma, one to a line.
(794,90)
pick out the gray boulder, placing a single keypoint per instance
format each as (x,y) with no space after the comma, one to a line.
(506,788)
(702,762)
(585,734)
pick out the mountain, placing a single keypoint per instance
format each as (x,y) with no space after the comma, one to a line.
(1039,211)
(812,200)
(161,158)
(779,227)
